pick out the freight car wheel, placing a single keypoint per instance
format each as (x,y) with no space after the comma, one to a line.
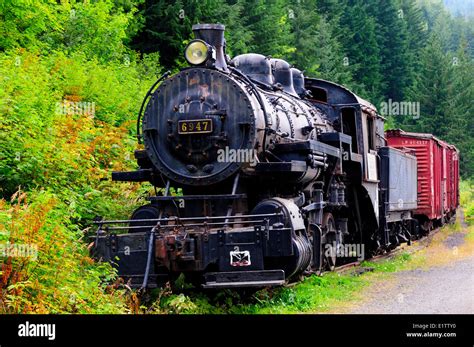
(426,226)
(330,240)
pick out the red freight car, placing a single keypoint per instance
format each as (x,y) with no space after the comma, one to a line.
(452,180)
(438,175)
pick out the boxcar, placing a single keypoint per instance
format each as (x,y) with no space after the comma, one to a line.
(438,169)
(452,180)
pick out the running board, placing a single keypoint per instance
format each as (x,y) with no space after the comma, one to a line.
(235,279)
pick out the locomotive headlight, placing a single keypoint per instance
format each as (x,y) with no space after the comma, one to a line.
(197,52)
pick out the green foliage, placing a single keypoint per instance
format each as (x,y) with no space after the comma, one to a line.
(392,38)
(467,200)
(47,143)
(443,87)
(69,93)
(97,28)
(58,276)
(313,294)
(24,22)
(359,37)
(167,26)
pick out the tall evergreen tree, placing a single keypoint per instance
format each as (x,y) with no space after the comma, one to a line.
(430,89)
(393,43)
(168,25)
(460,108)
(417,30)
(269,22)
(362,49)
(317,51)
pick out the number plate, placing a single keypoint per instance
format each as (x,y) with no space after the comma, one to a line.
(196,126)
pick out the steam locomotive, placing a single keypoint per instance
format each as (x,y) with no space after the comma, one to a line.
(277,175)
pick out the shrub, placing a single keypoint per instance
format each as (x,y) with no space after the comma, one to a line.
(467,200)
(62,278)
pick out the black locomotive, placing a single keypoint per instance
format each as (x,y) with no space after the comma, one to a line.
(280,175)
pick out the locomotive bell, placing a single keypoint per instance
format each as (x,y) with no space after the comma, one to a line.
(213,35)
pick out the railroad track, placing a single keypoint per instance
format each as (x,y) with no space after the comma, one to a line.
(415,246)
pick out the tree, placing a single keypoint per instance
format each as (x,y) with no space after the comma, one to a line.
(417,35)
(168,24)
(460,108)
(317,51)
(363,50)
(269,23)
(430,89)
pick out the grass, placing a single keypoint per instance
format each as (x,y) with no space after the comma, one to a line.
(315,294)
(397,263)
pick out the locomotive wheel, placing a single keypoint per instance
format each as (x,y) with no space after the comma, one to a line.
(146,212)
(330,240)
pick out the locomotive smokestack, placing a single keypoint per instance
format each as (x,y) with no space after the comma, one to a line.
(213,34)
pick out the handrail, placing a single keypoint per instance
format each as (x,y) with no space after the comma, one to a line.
(139,136)
(120,221)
